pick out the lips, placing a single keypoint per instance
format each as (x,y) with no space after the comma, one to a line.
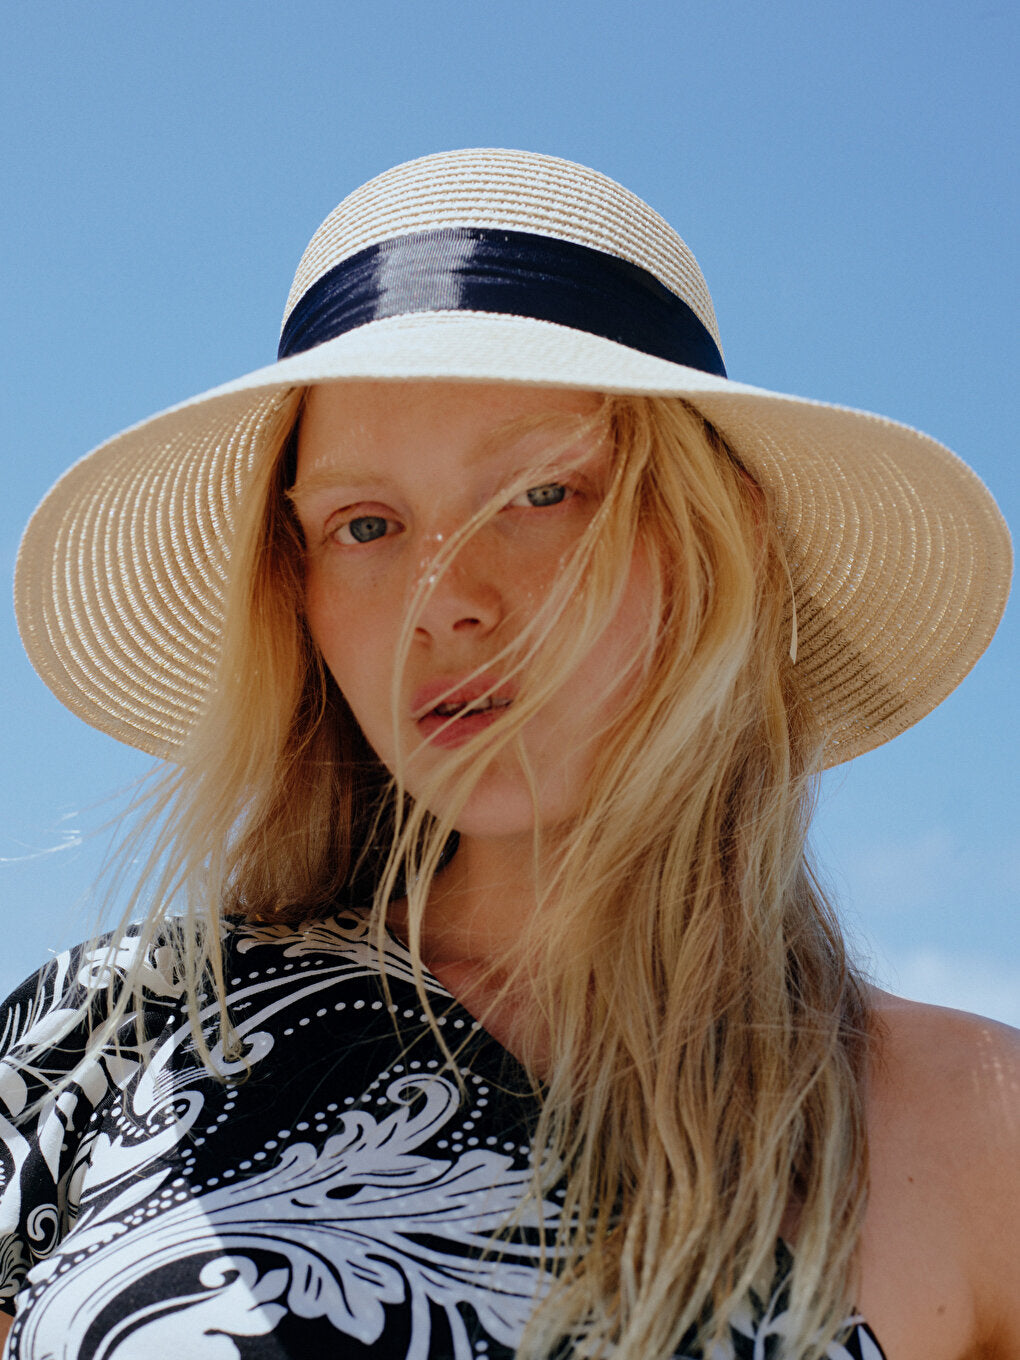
(456,707)
(448,713)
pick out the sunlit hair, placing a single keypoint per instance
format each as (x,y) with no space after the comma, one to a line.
(703,1089)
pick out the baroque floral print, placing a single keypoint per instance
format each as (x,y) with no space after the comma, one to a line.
(338,1188)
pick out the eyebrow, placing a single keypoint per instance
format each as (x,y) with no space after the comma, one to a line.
(337,474)
(504,439)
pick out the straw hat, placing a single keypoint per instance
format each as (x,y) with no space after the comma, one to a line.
(506,266)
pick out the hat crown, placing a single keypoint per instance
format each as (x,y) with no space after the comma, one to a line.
(510,191)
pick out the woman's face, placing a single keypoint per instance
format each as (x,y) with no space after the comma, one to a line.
(386,473)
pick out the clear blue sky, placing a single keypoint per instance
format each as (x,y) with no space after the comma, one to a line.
(845,174)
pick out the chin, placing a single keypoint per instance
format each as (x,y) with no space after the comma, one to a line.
(495,823)
(501,808)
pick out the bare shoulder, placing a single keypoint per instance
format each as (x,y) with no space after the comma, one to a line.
(944,1120)
(958,1072)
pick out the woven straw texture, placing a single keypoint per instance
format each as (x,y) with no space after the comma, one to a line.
(899,557)
(512,191)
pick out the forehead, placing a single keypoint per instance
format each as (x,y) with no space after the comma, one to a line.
(373,418)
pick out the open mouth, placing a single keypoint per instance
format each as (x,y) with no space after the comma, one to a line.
(459,715)
(458,710)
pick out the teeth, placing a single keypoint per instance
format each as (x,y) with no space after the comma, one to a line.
(481,706)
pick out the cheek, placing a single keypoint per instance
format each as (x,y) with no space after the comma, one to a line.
(322,614)
(625,647)
(340,625)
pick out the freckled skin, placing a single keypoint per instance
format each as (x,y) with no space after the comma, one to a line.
(427,448)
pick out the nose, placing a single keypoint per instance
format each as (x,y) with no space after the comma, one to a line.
(466,597)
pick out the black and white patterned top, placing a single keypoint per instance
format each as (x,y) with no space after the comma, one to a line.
(335,1198)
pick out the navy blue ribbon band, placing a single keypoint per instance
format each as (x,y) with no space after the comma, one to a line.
(514,273)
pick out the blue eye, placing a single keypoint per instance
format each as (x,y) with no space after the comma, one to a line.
(550,493)
(364,529)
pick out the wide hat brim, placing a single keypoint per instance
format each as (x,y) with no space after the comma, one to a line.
(899,557)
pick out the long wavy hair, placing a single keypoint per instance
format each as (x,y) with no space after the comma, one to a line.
(702,1094)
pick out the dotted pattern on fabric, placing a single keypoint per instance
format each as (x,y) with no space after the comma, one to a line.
(517,191)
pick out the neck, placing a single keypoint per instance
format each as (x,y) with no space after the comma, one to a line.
(479,904)
(477,910)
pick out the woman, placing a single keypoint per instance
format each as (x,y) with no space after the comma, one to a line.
(486,1003)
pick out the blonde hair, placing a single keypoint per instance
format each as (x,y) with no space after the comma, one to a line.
(706,1028)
